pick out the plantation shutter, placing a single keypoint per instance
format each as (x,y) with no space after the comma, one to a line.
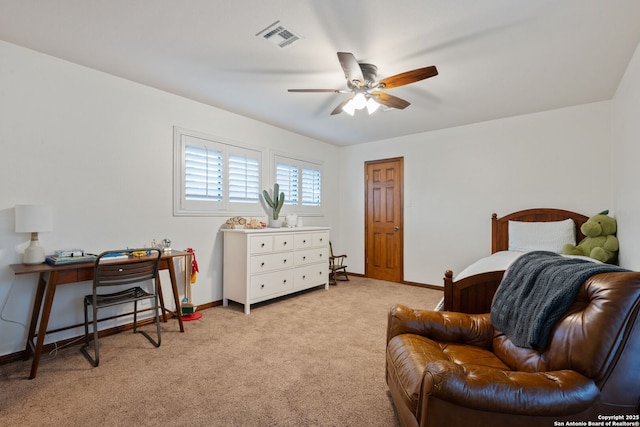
(311,187)
(203,178)
(287,179)
(244,177)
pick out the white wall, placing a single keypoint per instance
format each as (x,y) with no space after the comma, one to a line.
(80,140)
(626,170)
(456,178)
(99,149)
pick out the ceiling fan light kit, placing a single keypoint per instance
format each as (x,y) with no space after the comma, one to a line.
(361,81)
(359,102)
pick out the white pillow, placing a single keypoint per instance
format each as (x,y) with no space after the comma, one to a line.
(541,236)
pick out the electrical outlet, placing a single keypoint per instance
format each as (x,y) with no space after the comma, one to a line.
(145,303)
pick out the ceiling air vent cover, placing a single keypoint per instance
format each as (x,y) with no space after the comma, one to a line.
(279,35)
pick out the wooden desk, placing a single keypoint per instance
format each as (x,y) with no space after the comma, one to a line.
(52,276)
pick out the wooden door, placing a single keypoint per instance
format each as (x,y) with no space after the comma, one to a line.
(383,222)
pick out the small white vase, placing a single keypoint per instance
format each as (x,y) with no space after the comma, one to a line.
(291,220)
(275,223)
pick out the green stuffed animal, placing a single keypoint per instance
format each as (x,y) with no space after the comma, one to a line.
(600,242)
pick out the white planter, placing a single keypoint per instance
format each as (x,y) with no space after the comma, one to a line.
(275,223)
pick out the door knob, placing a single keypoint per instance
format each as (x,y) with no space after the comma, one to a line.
(396,228)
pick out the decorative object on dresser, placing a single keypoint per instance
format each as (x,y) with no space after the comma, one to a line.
(275,204)
(472,290)
(260,265)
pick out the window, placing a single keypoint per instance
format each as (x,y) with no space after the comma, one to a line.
(215,177)
(301,182)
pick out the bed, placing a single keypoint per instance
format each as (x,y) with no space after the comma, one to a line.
(472,290)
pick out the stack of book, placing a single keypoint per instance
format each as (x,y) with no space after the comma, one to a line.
(59,260)
(114,256)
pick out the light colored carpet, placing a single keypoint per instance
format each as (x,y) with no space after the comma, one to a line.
(312,359)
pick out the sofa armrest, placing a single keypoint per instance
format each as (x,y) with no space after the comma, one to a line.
(551,393)
(472,329)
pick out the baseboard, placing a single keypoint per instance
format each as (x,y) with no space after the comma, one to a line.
(424,285)
(20,355)
(405,282)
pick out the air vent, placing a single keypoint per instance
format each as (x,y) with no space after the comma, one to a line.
(279,35)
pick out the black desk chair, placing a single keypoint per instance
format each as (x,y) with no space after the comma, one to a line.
(337,267)
(136,266)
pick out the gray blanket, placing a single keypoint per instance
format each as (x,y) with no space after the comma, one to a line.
(536,291)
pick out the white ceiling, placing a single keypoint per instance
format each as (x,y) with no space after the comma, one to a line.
(496,58)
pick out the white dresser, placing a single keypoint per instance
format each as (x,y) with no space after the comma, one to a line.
(263,264)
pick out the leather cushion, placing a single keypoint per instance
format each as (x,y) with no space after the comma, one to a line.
(409,354)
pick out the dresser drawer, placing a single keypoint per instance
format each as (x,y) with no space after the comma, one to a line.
(310,256)
(303,240)
(261,244)
(312,275)
(270,262)
(320,239)
(271,283)
(283,242)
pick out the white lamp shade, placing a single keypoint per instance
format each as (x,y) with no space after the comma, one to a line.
(33,218)
(372,105)
(359,101)
(349,108)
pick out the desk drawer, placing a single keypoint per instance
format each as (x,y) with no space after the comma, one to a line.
(85,274)
(71,276)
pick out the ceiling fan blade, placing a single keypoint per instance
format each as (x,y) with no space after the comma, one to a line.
(390,100)
(338,109)
(351,68)
(317,90)
(407,77)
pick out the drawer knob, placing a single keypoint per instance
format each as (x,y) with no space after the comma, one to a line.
(261,286)
(304,241)
(262,264)
(284,281)
(285,243)
(304,277)
(285,261)
(262,245)
(304,257)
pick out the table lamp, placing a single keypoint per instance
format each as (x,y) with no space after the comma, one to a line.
(33,219)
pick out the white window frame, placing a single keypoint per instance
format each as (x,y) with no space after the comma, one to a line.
(299,207)
(182,206)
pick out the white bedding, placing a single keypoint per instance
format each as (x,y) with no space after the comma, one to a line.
(498,261)
(494,262)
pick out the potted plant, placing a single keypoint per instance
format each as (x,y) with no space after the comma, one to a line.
(275,204)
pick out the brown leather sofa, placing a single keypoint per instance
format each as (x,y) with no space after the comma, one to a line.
(454,369)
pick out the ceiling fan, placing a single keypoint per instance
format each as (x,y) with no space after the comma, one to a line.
(365,89)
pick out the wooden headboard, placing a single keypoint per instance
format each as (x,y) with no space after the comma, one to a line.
(500,226)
